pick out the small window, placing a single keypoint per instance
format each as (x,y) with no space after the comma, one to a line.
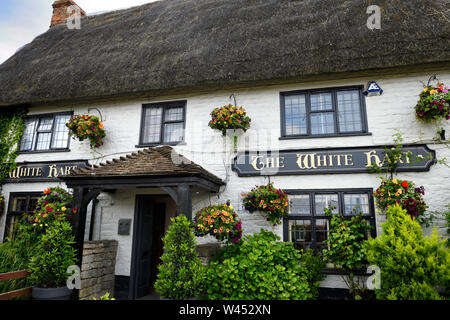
(328,112)
(45,133)
(307,224)
(163,123)
(20,205)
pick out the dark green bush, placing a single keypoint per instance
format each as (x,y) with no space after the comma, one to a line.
(314,264)
(258,268)
(412,266)
(53,256)
(181,274)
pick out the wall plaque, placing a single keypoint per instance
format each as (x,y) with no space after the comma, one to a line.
(44,171)
(327,161)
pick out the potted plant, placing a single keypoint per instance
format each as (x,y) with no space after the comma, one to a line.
(403,193)
(49,264)
(220,221)
(433,104)
(87,127)
(271,201)
(181,273)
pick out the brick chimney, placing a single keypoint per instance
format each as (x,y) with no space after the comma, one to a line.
(60,11)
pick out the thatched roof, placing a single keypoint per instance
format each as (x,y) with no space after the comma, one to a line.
(173,44)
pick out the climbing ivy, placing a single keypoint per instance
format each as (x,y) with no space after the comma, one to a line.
(11,130)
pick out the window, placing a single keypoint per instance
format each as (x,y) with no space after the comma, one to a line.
(307,226)
(19,204)
(46,133)
(163,123)
(324,112)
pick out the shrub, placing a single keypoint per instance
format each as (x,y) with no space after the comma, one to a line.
(87,127)
(220,221)
(411,265)
(401,192)
(433,104)
(271,201)
(258,268)
(181,273)
(11,260)
(53,256)
(314,264)
(345,247)
(229,117)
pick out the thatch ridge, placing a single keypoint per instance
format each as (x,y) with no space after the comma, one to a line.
(192,43)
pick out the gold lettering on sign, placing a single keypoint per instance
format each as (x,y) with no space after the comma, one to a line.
(306,161)
(372,155)
(255,163)
(280,162)
(52,171)
(348,160)
(338,157)
(322,162)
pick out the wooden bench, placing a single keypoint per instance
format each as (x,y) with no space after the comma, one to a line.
(16,293)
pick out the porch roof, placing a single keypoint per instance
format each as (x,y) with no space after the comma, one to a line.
(154,166)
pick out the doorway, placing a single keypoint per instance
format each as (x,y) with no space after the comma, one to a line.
(149,228)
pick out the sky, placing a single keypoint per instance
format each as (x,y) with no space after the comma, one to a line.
(23,20)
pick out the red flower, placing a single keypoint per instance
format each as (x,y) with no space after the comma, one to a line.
(405,184)
(47,191)
(75,210)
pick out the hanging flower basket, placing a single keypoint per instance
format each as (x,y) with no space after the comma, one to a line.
(229,117)
(88,127)
(402,192)
(434,104)
(220,221)
(271,201)
(55,203)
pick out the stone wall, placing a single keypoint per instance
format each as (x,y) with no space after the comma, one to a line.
(207,251)
(98,268)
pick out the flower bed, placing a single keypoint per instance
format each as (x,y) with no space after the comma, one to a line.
(54,204)
(434,103)
(401,192)
(87,127)
(220,221)
(229,117)
(271,201)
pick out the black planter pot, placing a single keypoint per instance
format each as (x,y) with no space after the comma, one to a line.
(61,293)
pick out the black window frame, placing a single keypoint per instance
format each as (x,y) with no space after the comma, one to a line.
(164,106)
(11,213)
(52,131)
(341,210)
(333,91)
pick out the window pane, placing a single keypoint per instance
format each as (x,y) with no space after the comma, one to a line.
(43,141)
(295,114)
(325,201)
(349,111)
(299,204)
(152,125)
(174,114)
(45,124)
(61,133)
(321,102)
(19,204)
(322,123)
(300,232)
(174,132)
(28,134)
(32,203)
(322,229)
(359,202)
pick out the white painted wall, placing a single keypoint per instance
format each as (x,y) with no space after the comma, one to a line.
(387,113)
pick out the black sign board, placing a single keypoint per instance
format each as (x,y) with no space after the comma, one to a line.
(327,161)
(44,171)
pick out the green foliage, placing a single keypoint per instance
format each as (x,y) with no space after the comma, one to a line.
(181,274)
(105,297)
(229,117)
(314,264)
(258,268)
(53,256)
(11,260)
(345,246)
(434,103)
(11,130)
(411,265)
